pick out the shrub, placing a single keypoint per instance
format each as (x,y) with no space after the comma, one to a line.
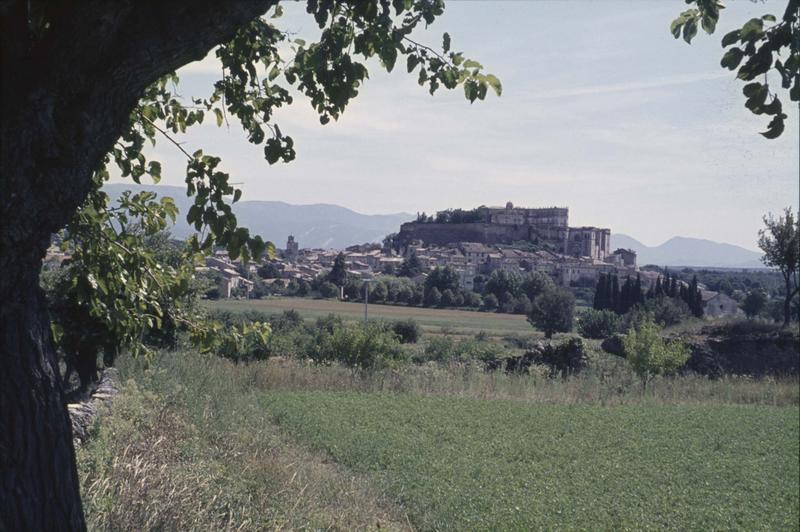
(440,349)
(407,331)
(566,358)
(668,310)
(238,342)
(329,323)
(287,319)
(523,305)
(473,299)
(357,346)
(649,354)
(490,302)
(378,292)
(445,349)
(328,290)
(448,298)
(754,303)
(433,297)
(598,323)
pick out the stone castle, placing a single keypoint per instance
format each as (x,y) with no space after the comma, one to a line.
(545,227)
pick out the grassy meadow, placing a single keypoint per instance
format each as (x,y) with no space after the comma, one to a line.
(456,463)
(463,322)
(197,442)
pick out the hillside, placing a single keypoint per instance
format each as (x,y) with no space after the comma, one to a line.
(313,226)
(684,251)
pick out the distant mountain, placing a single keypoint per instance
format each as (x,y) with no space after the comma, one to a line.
(683,251)
(313,226)
(331,226)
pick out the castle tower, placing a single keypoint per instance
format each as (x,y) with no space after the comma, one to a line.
(292,249)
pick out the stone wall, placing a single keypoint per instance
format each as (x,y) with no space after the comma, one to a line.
(485,233)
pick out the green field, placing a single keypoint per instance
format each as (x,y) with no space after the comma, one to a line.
(457,463)
(459,321)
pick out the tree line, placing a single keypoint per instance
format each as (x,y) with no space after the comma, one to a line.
(610,295)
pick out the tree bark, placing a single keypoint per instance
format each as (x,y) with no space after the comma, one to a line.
(39,481)
(71,75)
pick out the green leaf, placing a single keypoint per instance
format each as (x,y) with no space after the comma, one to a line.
(218,114)
(768,17)
(494,83)
(237,194)
(689,30)
(274,73)
(775,127)
(154,169)
(470,90)
(730,38)
(708,23)
(388,55)
(412,62)
(751,89)
(469,63)
(732,58)
(752,30)
(675,27)
(446,42)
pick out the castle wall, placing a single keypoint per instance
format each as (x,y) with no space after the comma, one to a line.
(485,233)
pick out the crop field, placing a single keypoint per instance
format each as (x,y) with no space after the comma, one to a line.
(458,463)
(458,321)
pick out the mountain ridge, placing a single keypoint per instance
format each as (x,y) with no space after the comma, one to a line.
(327,225)
(689,251)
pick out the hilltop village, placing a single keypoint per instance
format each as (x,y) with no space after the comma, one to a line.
(472,243)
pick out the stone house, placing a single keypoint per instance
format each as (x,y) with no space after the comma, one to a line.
(717,304)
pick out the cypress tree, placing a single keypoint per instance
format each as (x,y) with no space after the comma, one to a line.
(692,297)
(698,303)
(673,288)
(659,287)
(598,293)
(638,290)
(615,295)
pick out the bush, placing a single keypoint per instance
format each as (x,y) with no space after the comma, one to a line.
(598,323)
(473,299)
(754,303)
(651,355)
(328,290)
(490,302)
(445,349)
(440,349)
(523,305)
(357,346)
(407,331)
(668,310)
(433,297)
(378,292)
(566,358)
(288,319)
(448,298)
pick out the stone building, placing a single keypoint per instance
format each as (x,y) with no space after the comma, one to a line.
(292,249)
(546,228)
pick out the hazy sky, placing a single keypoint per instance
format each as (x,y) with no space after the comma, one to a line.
(602,111)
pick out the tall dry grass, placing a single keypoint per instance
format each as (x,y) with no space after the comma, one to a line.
(185,447)
(608,383)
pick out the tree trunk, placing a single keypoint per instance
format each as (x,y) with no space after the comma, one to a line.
(787,302)
(71,76)
(38,477)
